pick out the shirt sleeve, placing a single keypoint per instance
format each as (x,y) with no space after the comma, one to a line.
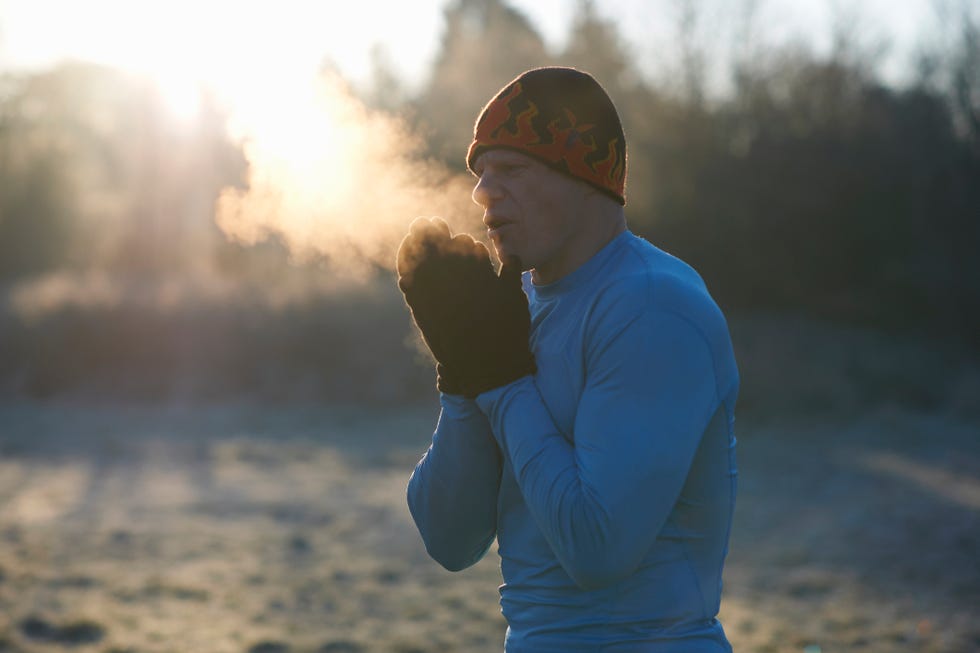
(452,493)
(650,392)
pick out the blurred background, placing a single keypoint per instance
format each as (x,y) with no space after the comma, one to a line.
(204,203)
(199,208)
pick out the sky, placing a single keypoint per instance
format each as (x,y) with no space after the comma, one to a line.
(181,39)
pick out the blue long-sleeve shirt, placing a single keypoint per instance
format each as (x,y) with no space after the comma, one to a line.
(608,478)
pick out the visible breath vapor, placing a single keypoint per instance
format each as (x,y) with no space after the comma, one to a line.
(332,178)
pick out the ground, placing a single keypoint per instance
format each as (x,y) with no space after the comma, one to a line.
(275,529)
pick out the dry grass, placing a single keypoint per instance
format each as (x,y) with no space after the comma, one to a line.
(251,529)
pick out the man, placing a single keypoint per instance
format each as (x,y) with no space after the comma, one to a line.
(588,405)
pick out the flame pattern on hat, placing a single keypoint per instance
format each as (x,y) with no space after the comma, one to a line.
(514,121)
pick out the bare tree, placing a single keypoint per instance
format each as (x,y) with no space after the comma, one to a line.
(595,44)
(693,62)
(485,44)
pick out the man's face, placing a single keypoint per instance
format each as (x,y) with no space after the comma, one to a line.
(529,210)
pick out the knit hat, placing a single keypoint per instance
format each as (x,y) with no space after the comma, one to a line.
(562,117)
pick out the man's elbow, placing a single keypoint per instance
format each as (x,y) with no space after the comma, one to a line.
(453,558)
(595,572)
(599,554)
(455,546)
(450,562)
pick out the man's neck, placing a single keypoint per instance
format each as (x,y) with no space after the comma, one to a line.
(606,226)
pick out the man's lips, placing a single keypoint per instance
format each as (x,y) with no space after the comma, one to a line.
(496,223)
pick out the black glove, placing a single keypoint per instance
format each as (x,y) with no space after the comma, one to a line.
(475,323)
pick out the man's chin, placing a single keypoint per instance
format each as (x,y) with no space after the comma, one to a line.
(503,252)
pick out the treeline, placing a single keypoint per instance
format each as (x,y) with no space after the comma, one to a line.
(807,186)
(810,185)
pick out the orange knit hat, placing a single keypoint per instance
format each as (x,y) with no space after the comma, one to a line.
(562,117)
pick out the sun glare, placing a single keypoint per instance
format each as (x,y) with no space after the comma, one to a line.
(262,65)
(180,94)
(325,173)
(240,54)
(302,129)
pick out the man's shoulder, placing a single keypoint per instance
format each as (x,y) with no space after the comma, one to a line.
(654,290)
(650,278)
(648,284)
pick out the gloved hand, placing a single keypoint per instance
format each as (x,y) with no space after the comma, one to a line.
(475,323)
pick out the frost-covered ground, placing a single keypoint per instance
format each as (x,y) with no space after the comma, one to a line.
(272,529)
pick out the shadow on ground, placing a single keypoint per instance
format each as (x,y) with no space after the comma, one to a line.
(262,529)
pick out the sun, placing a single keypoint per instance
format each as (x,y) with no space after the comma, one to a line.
(217,46)
(182,96)
(184,47)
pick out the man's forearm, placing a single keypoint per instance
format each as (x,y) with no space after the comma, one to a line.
(452,493)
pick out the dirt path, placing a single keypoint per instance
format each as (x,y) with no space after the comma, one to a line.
(285,530)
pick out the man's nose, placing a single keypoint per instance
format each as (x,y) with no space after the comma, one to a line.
(485,193)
